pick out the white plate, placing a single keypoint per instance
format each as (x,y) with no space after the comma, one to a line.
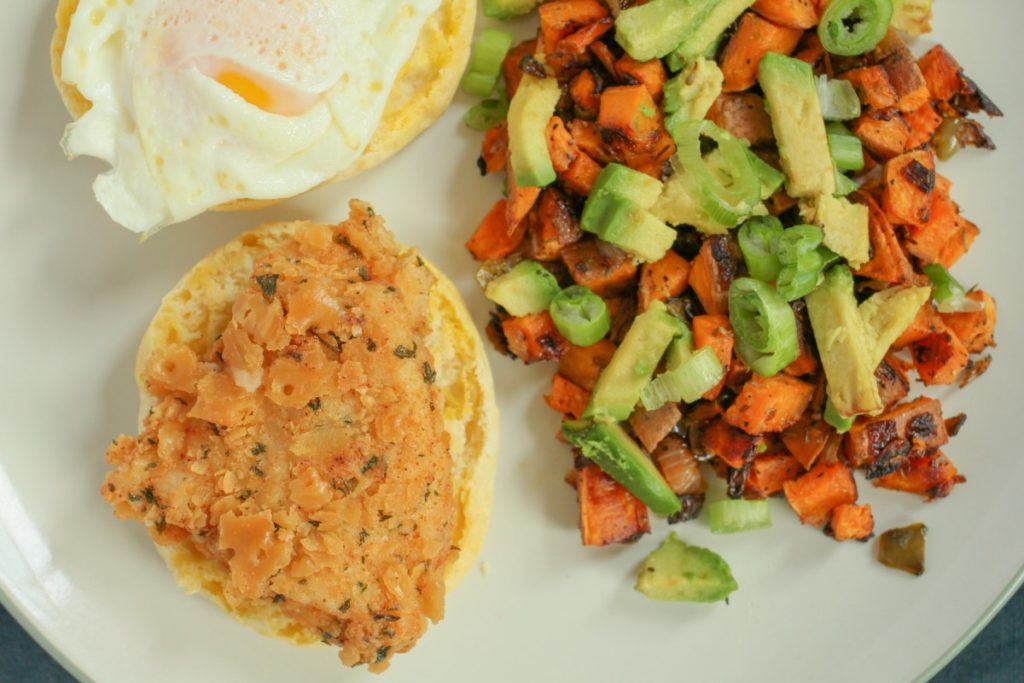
(77,292)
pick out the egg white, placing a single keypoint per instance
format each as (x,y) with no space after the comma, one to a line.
(179,141)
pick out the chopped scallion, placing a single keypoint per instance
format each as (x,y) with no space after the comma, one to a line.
(580,315)
(764,324)
(853,27)
(485,60)
(731,516)
(693,378)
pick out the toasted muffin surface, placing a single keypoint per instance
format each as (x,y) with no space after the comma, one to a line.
(296,454)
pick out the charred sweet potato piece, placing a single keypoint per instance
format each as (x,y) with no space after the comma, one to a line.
(715,331)
(744,116)
(586,94)
(851,522)
(932,476)
(806,440)
(906,78)
(888,263)
(939,358)
(494,151)
(567,398)
(510,69)
(769,404)
(817,493)
(650,74)
(923,122)
(909,187)
(754,38)
(608,512)
(873,86)
(492,240)
(800,14)
(882,444)
(581,174)
(663,279)
(946,235)
(893,385)
(975,329)
(884,132)
(534,337)
(733,446)
(629,112)
(602,267)
(942,73)
(712,272)
(583,364)
(768,474)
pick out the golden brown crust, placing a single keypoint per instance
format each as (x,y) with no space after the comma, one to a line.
(424,87)
(195,312)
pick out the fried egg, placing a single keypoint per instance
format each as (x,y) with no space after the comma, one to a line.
(196,103)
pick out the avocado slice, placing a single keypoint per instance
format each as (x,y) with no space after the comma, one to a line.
(710,28)
(623,181)
(657,28)
(680,572)
(689,95)
(508,9)
(528,288)
(844,224)
(633,364)
(799,127)
(887,315)
(529,112)
(611,449)
(847,349)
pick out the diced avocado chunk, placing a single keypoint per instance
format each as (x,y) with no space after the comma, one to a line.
(623,223)
(508,9)
(616,212)
(844,224)
(680,572)
(653,30)
(611,449)
(846,347)
(529,112)
(526,289)
(690,94)
(710,28)
(625,182)
(888,314)
(792,98)
(633,364)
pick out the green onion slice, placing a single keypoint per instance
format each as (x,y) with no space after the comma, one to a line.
(803,259)
(853,27)
(731,516)
(728,186)
(486,114)
(839,100)
(764,324)
(693,378)
(759,242)
(846,149)
(580,315)
(950,296)
(488,53)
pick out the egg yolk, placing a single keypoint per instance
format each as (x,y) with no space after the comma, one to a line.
(268,94)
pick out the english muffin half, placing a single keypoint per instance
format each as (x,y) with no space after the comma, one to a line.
(318,436)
